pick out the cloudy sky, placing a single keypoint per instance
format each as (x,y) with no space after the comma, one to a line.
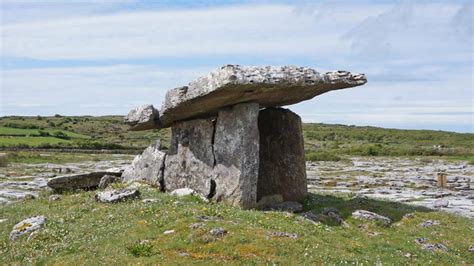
(98,57)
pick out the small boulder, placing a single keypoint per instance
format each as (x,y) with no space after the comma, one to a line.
(107,180)
(26,226)
(284,234)
(218,232)
(117,195)
(430,223)
(54,197)
(310,216)
(334,215)
(371,216)
(181,192)
(196,225)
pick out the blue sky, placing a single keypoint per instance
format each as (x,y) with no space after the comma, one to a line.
(106,57)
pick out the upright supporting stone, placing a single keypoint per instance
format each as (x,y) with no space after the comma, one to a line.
(190,160)
(147,167)
(236,148)
(282,164)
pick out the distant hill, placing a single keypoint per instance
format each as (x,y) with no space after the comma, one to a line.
(322,141)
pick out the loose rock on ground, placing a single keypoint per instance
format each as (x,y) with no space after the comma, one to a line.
(26,226)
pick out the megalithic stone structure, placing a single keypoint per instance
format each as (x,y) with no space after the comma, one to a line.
(231,141)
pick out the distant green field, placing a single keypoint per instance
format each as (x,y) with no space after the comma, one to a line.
(8,131)
(31,141)
(322,141)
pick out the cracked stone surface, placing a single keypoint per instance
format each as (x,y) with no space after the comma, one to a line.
(77,181)
(21,181)
(236,149)
(268,86)
(147,167)
(409,181)
(190,160)
(26,226)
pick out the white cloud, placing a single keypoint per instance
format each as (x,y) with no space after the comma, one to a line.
(417,56)
(88,90)
(270,29)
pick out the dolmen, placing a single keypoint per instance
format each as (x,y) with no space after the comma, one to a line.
(231,140)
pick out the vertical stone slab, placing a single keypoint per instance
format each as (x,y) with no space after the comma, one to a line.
(147,167)
(236,148)
(282,164)
(189,161)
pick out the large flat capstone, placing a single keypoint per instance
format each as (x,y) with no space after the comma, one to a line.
(267,86)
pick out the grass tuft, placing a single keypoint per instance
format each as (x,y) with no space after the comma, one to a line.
(141,248)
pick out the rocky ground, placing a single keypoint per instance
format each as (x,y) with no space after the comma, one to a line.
(411,181)
(20,180)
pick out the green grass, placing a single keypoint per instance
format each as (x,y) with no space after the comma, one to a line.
(32,157)
(31,141)
(322,142)
(78,229)
(8,131)
(373,141)
(85,132)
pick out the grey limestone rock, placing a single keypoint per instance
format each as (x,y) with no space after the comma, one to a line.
(218,232)
(236,149)
(117,195)
(107,180)
(26,226)
(371,216)
(268,86)
(284,234)
(282,168)
(147,167)
(189,161)
(77,181)
(143,117)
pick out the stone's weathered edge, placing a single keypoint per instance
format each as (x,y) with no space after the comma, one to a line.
(117,195)
(147,167)
(143,118)
(26,226)
(236,149)
(189,161)
(78,181)
(267,86)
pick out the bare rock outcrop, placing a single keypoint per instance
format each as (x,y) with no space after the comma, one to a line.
(147,167)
